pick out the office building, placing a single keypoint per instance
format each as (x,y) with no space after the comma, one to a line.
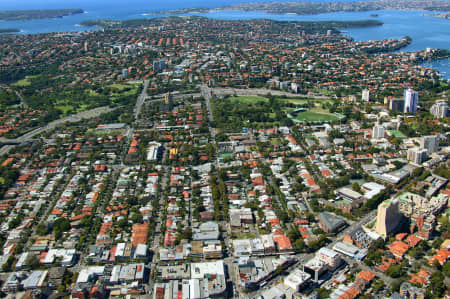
(365,95)
(411,98)
(168,98)
(417,155)
(156,65)
(388,217)
(440,109)
(295,88)
(330,257)
(430,143)
(297,280)
(397,105)
(378,132)
(315,268)
(159,65)
(331,223)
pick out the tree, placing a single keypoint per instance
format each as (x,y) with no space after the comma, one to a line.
(137,218)
(33,262)
(41,229)
(356,187)
(436,288)
(299,245)
(59,226)
(395,271)
(446,269)
(187,234)
(7,267)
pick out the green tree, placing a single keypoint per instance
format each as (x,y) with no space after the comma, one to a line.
(59,226)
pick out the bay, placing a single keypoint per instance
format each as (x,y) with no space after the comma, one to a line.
(426,32)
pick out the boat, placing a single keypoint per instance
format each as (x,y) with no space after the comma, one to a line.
(374,15)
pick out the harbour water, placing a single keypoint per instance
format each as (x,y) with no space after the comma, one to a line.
(426,32)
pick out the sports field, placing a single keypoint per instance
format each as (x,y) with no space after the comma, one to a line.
(310,116)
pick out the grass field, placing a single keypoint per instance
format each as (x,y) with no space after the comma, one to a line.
(64,108)
(256,99)
(397,134)
(316,114)
(22,83)
(248,99)
(275,141)
(305,101)
(119,87)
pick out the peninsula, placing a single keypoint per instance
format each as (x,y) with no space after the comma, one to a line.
(309,8)
(9,30)
(26,15)
(320,26)
(440,15)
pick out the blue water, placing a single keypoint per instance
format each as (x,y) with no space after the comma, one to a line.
(425,31)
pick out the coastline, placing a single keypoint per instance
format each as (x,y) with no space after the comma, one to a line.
(38,14)
(445,16)
(312,8)
(9,30)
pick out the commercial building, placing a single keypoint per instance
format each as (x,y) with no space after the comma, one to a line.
(349,194)
(330,223)
(365,97)
(128,273)
(397,105)
(330,257)
(430,143)
(159,65)
(206,231)
(168,98)
(411,98)
(388,217)
(35,280)
(297,280)
(440,109)
(67,256)
(154,151)
(378,132)
(417,155)
(350,250)
(372,189)
(90,273)
(315,267)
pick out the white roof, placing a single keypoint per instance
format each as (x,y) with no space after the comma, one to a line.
(296,278)
(115,274)
(120,249)
(199,270)
(194,288)
(373,186)
(87,273)
(141,250)
(328,252)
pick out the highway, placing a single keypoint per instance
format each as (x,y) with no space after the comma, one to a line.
(72,118)
(207,95)
(141,99)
